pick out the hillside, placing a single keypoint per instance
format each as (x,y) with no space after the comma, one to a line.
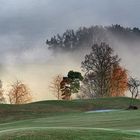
(67,120)
(50,108)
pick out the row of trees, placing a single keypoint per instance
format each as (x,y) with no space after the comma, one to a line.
(85,37)
(103,76)
(103,72)
(19,93)
(64,87)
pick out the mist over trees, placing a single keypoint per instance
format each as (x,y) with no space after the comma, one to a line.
(55,87)
(2,98)
(19,93)
(85,37)
(133,86)
(103,75)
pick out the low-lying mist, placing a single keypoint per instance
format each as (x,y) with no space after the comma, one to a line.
(36,66)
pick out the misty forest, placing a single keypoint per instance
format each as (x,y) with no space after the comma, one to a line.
(69,70)
(101,73)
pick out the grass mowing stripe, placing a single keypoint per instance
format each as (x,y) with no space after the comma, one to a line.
(71,128)
(67,133)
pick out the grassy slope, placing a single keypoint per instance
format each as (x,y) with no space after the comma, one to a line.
(55,119)
(50,108)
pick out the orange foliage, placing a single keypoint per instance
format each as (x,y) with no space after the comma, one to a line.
(119,81)
(19,93)
(65,88)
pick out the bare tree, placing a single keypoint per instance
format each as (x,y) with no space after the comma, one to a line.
(133,85)
(99,64)
(85,93)
(19,93)
(87,88)
(55,86)
(2,98)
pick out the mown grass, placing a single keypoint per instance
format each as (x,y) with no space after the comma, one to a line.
(70,134)
(125,120)
(68,120)
(52,108)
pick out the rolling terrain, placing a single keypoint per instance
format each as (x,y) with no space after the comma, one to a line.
(69,120)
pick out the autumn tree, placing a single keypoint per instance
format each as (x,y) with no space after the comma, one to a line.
(133,85)
(65,88)
(2,98)
(55,86)
(99,64)
(87,87)
(70,84)
(119,80)
(118,84)
(19,93)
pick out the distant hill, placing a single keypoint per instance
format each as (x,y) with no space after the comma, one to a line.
(85,37)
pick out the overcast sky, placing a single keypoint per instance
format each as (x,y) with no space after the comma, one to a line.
(26,24)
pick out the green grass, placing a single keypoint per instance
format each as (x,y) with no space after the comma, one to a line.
(51,108)
(67,120)
(70,134)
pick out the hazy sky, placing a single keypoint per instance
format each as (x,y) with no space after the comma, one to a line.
(26,24)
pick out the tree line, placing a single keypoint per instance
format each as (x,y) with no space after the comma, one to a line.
(103,77)
(102,74)
(85,37)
